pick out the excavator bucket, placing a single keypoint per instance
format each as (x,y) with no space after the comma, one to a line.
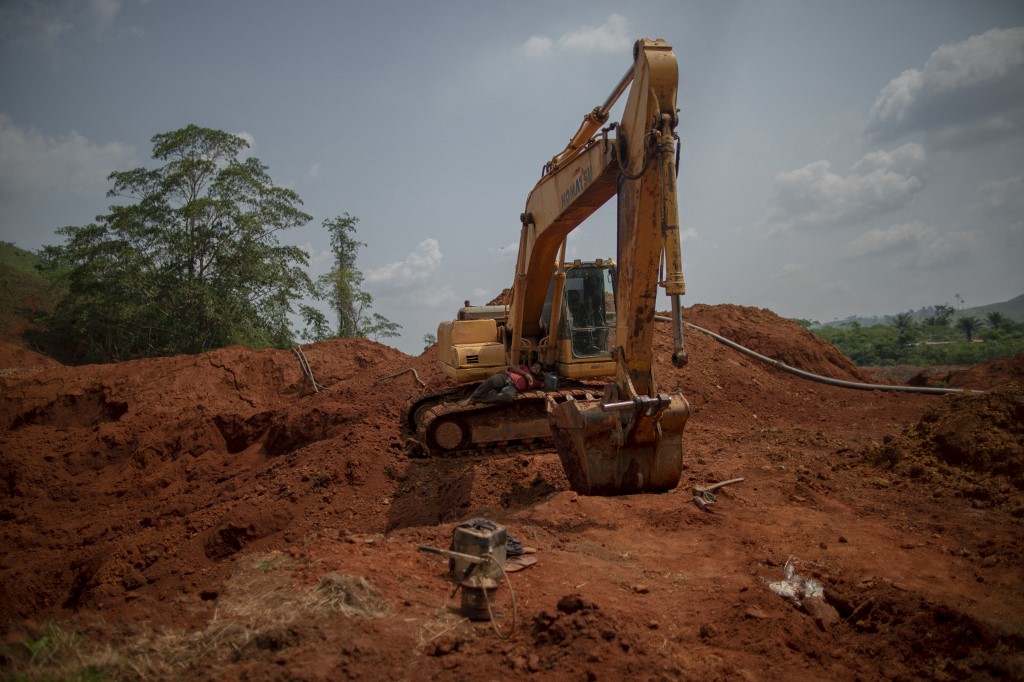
(620,448)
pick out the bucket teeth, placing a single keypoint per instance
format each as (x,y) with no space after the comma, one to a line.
(618,453)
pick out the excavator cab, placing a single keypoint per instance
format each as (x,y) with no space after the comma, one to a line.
(585,337)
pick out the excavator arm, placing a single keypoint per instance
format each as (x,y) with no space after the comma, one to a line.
(630,440)
(588,320)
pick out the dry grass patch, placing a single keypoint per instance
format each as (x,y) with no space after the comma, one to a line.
(259,608)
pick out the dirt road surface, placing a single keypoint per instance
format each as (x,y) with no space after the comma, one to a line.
(214,517)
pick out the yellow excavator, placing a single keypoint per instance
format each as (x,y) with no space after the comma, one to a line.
(583,321)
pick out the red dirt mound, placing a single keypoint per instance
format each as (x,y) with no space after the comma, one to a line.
(970,445)
(990,374)
(985,375)
(17,360)
(136,496)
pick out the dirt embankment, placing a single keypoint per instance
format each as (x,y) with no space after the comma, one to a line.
(193,500)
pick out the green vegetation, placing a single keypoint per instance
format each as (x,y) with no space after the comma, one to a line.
(57,653)
(191,263)
(341,288)
(187,262)
(25,294)
(937,339)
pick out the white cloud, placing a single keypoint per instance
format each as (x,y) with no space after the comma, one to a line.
(894,238)
(506,251)
(412,292)
(314,171)
(792,271)
(35,25)
(814,195)
(907,159)
(482,296)
(537,46)
(31,162)
(926,247)
(611,36)
(1002,202)
(250,140)
(687,234)
(1003,194)
(944,249)
(45,26)
(418,267)
(320,261)
(966,92)
(105,13)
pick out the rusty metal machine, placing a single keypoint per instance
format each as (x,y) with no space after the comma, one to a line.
(589,323)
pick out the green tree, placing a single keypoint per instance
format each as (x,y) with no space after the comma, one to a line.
(379,327)
(189,262)
(940,317)
(341,286)
(968,324)
(945,313)
(342,289)
(428,341)
(997,320)
(905,328)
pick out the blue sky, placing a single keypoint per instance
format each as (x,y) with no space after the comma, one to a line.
(837,158)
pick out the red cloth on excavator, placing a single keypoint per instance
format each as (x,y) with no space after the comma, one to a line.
(524,383)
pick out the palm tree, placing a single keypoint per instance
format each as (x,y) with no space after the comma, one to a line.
(904,325)
(997,320)
(968,325)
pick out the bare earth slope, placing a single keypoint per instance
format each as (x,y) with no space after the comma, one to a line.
(220,499)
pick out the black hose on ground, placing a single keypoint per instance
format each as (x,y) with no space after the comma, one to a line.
(817,377)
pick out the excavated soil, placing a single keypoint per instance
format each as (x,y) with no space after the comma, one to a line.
(215,517)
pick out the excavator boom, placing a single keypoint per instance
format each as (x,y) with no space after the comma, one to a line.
(588,320)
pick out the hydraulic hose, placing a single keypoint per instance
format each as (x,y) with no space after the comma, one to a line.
(817,377)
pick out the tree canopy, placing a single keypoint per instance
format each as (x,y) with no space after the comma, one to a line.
(342,289)
(190,261)
(933,342)
(968,324)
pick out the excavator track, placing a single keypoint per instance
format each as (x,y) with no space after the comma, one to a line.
(443,427)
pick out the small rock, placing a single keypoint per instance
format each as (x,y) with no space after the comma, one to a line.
(444,646)
(823,613)
(755,612)
(641,588)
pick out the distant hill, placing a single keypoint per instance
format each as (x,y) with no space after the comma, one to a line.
(24,292)
(1013,309)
